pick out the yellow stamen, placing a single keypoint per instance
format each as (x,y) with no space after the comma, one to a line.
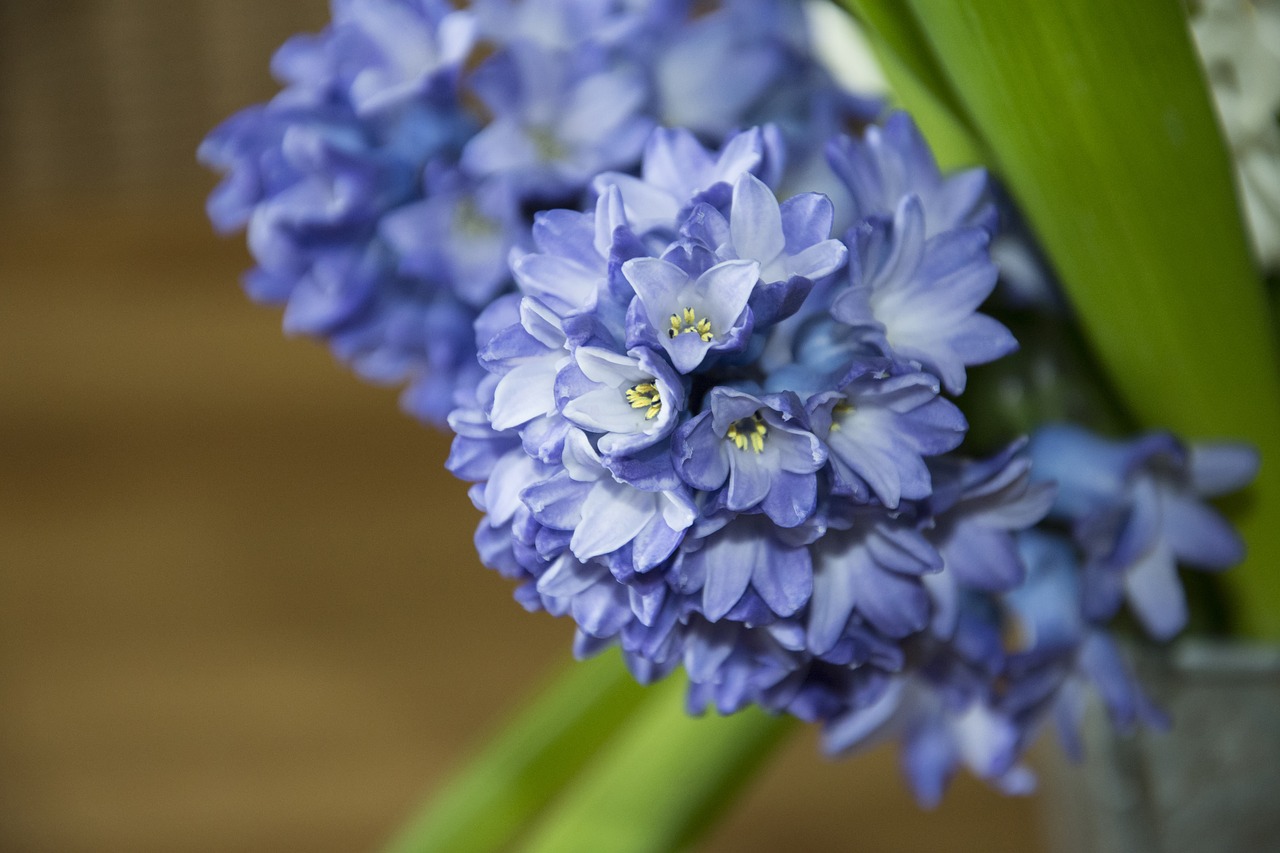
(645,394)
(841,409)
(743,433)
(548,147)
(688,322)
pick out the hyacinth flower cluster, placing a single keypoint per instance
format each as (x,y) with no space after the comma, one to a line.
(705,380)
(383,188)
(720,436)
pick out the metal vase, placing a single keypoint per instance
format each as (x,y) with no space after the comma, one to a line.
(1210,784)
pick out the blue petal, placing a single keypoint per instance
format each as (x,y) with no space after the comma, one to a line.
(701,458)
(654,543)
(602,610)
(688,572)
(657,283)
(784,580)
(791,498)
(729,559)
(895,605)
(862,723)
(1199,536)
(832,602)
(806,221)
(724,290)
(929,760)
(568,577)
(749,480)
(708,648)
(647,601)
(1155,593)
(756,222)
(902,549)
(983,558)
(1217,469)
(612,515)
(557,501)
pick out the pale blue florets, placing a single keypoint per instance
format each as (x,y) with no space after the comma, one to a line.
(1136,510)
(384,187)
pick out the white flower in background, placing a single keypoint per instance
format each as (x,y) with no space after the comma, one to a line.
(1239,42)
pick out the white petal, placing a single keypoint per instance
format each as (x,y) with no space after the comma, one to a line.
(524,394)
(612,515)
(756,222)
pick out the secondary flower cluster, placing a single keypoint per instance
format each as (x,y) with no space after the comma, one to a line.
(384,186)
(1125,515)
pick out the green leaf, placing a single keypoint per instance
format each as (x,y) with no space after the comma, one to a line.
(662,781)
(528,764)
(917,82)
(895,27)
(1098,119)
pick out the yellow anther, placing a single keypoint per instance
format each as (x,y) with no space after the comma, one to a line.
(746,433)
(841,409)
(545,143)
(688,322)
(645,394)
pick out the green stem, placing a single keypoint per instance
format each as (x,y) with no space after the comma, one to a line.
(662,781)
(526,765)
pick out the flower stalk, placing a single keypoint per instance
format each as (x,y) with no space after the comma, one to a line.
(525,766)
(662,781)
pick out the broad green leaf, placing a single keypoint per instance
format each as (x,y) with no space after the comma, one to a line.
(917,82)
(894,26)
(1098,119)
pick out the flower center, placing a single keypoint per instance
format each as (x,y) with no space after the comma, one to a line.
(645,394)
(839,413)
(683,324)
(546,145)
(470,222)
(748,431)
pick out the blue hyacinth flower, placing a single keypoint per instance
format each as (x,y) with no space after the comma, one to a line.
(879,424)
(690,316)
(752,452)
(1137,509)
(918,296)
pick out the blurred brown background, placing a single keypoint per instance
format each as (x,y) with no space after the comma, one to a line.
(239,607)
